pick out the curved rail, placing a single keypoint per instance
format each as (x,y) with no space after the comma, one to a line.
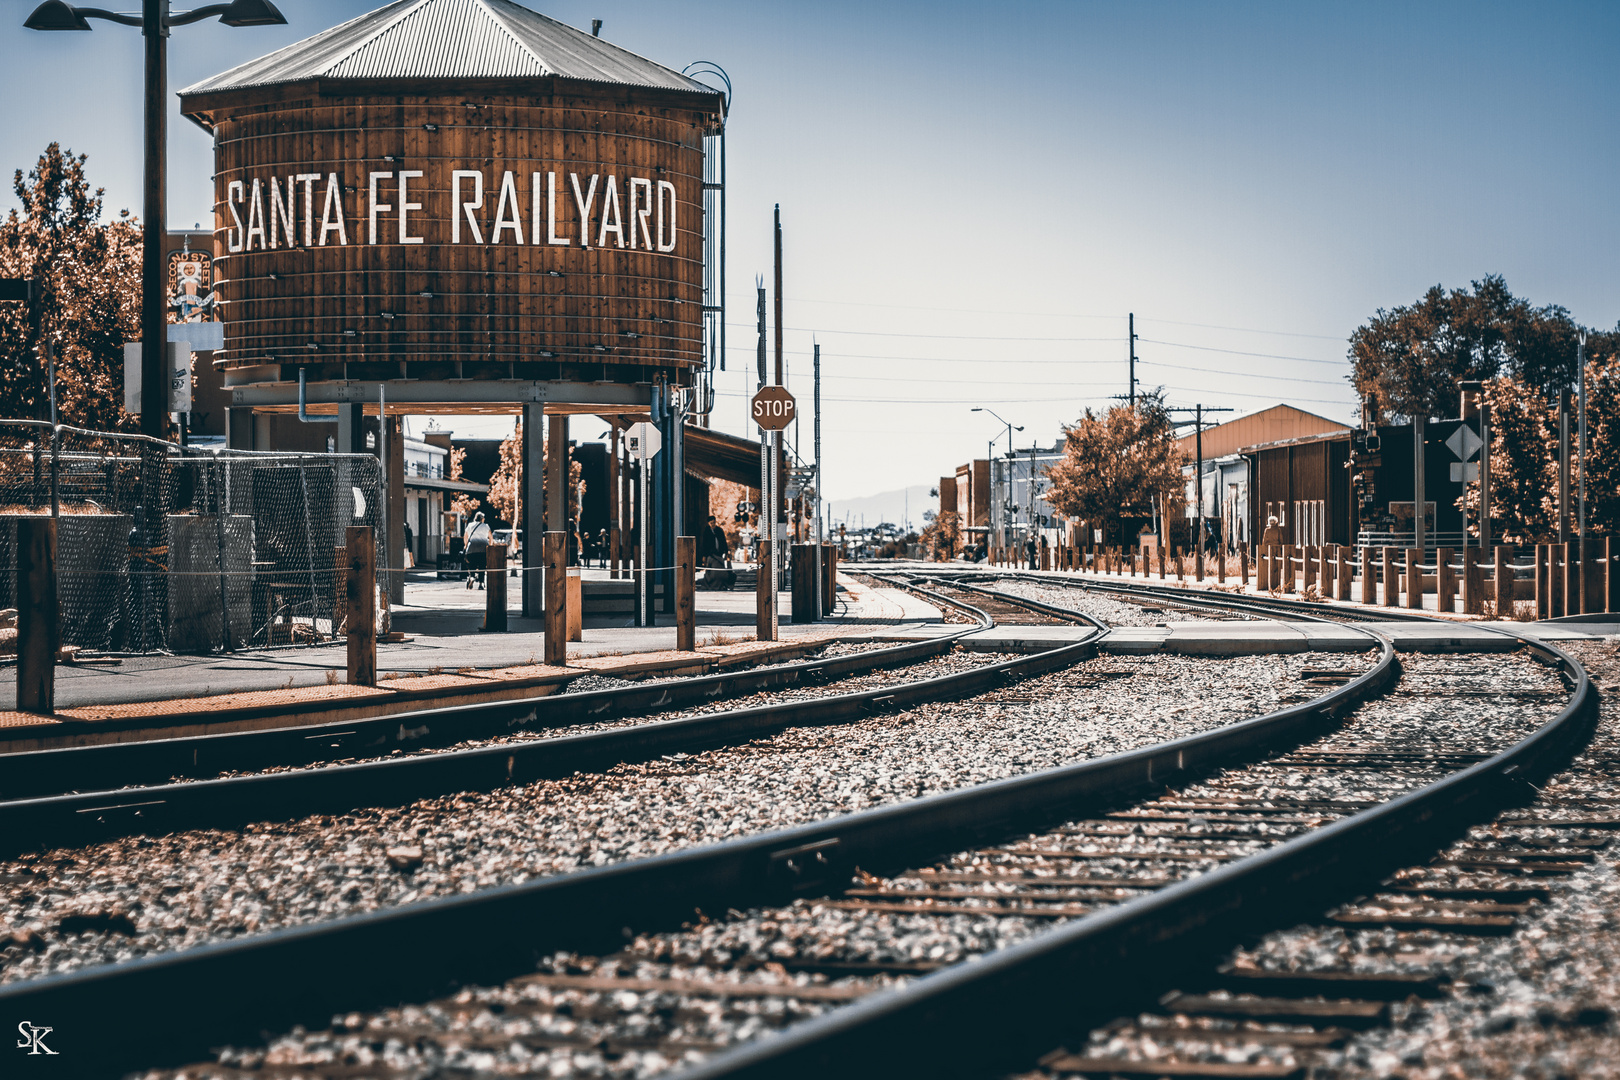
(89,816)
(302,975)
(1095,967)
(121,764)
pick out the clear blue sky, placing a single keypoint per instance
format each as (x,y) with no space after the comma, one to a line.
(975,196)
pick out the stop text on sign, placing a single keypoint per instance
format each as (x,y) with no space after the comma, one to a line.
(773,408)
(505,207)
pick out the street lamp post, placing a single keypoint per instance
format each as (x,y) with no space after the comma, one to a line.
(990,454)
(154,21)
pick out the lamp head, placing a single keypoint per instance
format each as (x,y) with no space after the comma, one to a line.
(55,15)
(252,13)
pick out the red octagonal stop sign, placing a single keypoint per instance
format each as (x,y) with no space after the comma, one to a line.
(774,408)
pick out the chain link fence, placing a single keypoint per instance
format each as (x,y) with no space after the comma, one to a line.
(165,549)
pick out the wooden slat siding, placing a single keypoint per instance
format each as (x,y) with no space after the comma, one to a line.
(492,305)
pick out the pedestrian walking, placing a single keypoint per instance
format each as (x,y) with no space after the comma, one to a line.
(476,539)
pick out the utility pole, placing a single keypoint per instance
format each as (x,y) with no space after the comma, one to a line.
(1198,412)
(1563,466)
(1580,374)
(1419,500)
(820,524)
(1132,393)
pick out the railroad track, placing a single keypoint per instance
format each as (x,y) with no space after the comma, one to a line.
(305,974)
(85,816)
(1127,913)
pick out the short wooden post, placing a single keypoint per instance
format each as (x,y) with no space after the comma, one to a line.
(1555,580)
(39,621)
(575,605)
(1611,574)
(829,579)
(1198,558)
(1369,576)
(1288,577)
(1220,564)
(360,604)
(1414,578)
(1543,582)
(1243,562)
(1445,579)
(1392,580)
(685,594)
(1473,583)
(1571,559)
(556,557)
(1594,589)
(1309,554)
(1347,570)
(1506,594)
(495,593)
(764,598)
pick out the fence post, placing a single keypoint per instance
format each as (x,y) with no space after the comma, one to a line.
(1445,579)
(764,599)
(1243,562)
(1347,571)
(1308,555)
(685,606)
(1473,583)
(1506,589)
(1392,582)
(39,626)
(556,600)
(1414,578)
(1571,558)
(360,604)
(1594,589)
(1288,578)
(1611,574)
(1555,581)
(1369,576)
(495,592)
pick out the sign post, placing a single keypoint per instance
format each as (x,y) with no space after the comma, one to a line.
(773,409)
(642,442)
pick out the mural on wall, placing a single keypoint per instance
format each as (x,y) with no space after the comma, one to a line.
(191,285)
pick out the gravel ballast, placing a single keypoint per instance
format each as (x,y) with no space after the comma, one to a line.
(140,896)
(556,1023)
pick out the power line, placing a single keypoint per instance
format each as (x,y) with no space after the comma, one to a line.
(945,359)
(943,337)
(1251,330)
(1240,352)
(1244,374)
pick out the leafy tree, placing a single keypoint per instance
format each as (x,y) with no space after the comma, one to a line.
(1117,465)
(1408,360)
(942,536)
(88,274)
(1524,440)
(1603,445)
(503,492)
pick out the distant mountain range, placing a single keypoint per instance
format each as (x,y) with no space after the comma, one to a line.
(890,506)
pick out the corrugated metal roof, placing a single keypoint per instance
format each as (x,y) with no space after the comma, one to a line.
(450,39)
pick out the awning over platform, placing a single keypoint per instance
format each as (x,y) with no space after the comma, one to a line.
(712,454)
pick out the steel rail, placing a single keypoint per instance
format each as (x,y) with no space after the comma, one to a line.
(172,1008)
(1085,972)
(83,817)
(1304,609)
(53,771)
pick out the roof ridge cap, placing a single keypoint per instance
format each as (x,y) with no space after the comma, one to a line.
(370,39)
(489,9)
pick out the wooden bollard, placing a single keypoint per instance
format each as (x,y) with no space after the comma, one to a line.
(1243,562)
(1414,577)
(1198,561)
(1555,580)
(685,593)
(555,554)
(1506,595)
(1572,577)
(1289,577)
(1347,571)
(1543,582)
(1308,555)
(1611,574)
(1594,589)
(360,604)
(1445,578)
(495,593)
(1392,580)
(39,622)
